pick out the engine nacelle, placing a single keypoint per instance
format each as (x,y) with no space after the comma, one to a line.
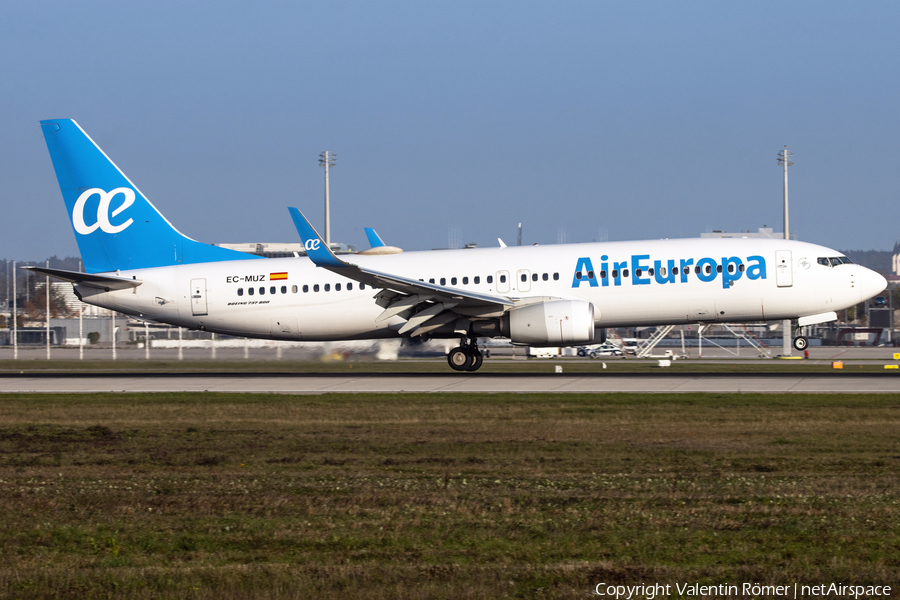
(552,323)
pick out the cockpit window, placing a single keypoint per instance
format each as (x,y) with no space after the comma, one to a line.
(834,261)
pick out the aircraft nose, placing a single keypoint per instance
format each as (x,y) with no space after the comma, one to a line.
(870,284)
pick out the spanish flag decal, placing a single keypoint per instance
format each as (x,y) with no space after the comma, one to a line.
(277,276)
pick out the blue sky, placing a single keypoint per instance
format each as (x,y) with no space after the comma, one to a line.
(456,121)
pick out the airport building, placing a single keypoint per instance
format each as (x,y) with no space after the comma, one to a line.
(763,232)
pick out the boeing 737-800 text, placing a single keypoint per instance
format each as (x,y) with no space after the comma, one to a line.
(137,263)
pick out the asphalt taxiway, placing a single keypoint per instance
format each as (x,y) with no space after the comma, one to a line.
(450,382)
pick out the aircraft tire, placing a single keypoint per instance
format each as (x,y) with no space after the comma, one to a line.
(460,359)
(477,359)
(801,343)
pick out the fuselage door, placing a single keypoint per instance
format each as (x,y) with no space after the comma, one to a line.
(784,276)
(523,280)
(198,297)
(503,281)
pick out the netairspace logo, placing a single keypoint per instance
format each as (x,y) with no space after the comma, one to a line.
(795,590)
(642,271)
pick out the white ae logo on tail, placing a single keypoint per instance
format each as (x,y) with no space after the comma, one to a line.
(311,245)
(103,214)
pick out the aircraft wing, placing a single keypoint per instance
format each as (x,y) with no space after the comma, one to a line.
(108,282)
(319,252)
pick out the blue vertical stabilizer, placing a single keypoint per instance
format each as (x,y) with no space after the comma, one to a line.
(115,226)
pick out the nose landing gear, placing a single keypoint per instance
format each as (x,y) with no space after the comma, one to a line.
(466,356)
(801,343)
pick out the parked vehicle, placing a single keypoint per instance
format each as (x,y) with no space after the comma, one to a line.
(598,350)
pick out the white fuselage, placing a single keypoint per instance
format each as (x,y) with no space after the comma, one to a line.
(629,283)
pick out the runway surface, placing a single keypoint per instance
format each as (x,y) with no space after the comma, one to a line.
(451,382)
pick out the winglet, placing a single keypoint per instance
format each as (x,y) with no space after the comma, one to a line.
(316,248)
(375,240)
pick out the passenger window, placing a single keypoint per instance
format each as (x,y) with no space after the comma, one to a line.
(293,289)
(556,277)
(477,279)
(590,274)
(431,280)
(503,279)
(708,269)
(453,281)
(262,291)
(349,287)
(545,277)
(272,290)
(602,274)
(490,279)
(465,281)
(240,291)
(615,273)
(305,289)
(443,281)
(624,272)
(362,286)
(284,289)
(524,277)
(730,268)
(662,271)
(250,291)
(578,275)
(534,276)
(674,271)
(718,268)
(316,288)
(696,270)
(327,287)
(337,287)
(741,267)
(638,272)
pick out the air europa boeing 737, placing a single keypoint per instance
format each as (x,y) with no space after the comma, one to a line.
(137,263)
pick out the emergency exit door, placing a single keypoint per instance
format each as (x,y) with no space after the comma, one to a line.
(784,275)
(198,297)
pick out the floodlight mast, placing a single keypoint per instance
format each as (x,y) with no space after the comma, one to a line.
(327,159)
(784,159)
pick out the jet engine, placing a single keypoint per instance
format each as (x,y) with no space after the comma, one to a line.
(552,323)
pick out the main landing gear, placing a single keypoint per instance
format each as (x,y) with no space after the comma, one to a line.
(466,356)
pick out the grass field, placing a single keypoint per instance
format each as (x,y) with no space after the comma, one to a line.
(446,496)
(613,366)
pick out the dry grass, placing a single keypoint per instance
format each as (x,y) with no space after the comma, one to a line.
(441,496)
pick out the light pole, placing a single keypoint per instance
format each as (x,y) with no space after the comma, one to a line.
(784,159)
(327,159)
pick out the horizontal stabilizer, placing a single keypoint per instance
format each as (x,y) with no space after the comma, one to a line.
(108,282)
